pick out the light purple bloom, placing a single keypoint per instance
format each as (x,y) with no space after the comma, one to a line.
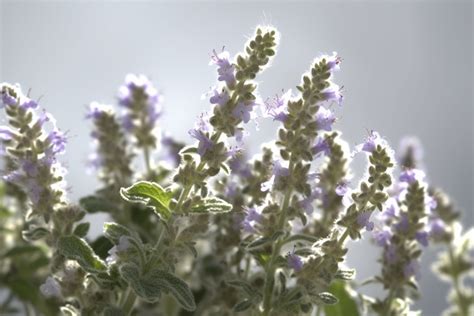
(205,143)
(243,111)
(332,61)
(225,69)
(412,175)
(382,237)
(277,107)
(219,98)
(342,188)
(6,133)
(412,268)
(57,141)
(332,93)
(422,238)
(28,103)
(370,143)
(390,254)
(403,224)
(239,167)
(325,118)
(6,98)
(321,147)
(307,203)
(437,227)
(431,202)
(115,251)
(295,262)
(363,219)
(278,171)
(50,288)
(252,217)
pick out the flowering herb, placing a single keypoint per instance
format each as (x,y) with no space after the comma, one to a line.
(205,228)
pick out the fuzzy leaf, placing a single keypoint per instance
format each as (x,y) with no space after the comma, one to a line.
(113,232)
(328,298)
(35,234)
(95,204)
(346,305)
(150,194)
(242,306)
(211,205)
(82,229)
(150,285)
(346,275)
(75,248)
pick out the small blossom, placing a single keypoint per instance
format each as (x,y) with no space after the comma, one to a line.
(321,147)
(6,133)
(370,143)
(391,210)
(307,203)
(115,251)
(437,228)
(363,219)
(412,175)
(294,262)
(219,98)
(278,171)
(96,110)
(277,107)
(252,217)
(403,224)
(243,111)
(332,61)
(50,288)
(422,238)
(390,254)
(412,268)
(342,188)
(225,69)
(382,237)
(325,118)
(332,93)
(205,144)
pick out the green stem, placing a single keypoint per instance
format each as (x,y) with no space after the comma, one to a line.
(129,301)
(270,275)
(146,154)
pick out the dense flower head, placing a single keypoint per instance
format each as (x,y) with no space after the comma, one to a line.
(97,110)
(325,119)
(37,169)
(142,107)
(50,288)
(410,152)
(253,216)
(412,175)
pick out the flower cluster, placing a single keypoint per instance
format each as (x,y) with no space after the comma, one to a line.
(209,229)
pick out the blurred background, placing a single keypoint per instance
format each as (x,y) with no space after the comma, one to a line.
(407,70)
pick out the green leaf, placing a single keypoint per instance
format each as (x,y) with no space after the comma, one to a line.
(328,298)
(21,250)
(75,248)
(346,275)
(34,234)
(150,194)
(242,306)
(150,285)
(211,205)
(113,232)
(95,204)
(101,247)
(82,229)
(346,306)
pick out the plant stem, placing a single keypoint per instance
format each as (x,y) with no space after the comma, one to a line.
(129,301)
(457,289)
(146,154)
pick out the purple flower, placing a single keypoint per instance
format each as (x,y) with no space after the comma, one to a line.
(391,210)
(277,107)
(332,61)
(321,147)
(50,288)
(437,228)
(422,238)
(252,217)
(382,237)
(431,202)
(390,254)
(370,143)
(6,97)
(57,141)
(96,110)
(412,175)
(239,167)
(115,251)
(225,69)
(28,103)
(205,143)
(403,224)
(412,268)
(332,93)
(307,203)
(363,220)
(278,171)
(231,189)
(6,133)
(342,188)
(294,262)
(243,111)
(325,118)
(219,98)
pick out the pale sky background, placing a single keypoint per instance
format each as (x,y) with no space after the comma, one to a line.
(407,70)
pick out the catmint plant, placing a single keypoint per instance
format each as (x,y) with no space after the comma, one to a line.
(201,226)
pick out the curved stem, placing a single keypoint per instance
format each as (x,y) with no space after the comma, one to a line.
(129,301)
